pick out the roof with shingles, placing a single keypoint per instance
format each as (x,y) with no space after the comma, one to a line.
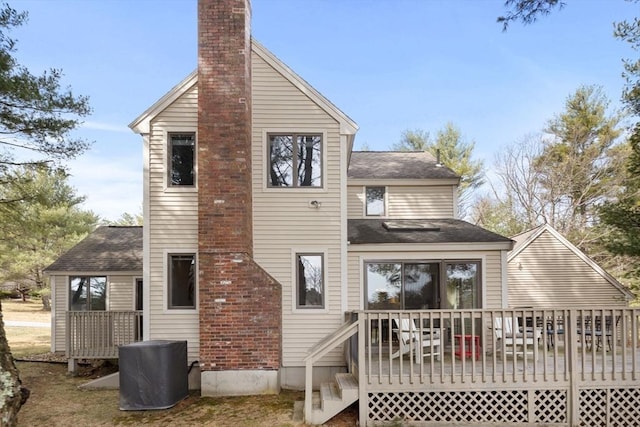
(397,165)
(367,231)
(108,248)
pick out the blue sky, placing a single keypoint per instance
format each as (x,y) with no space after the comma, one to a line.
(390,65)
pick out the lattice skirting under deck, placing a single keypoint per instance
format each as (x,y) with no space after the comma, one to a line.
(611,407)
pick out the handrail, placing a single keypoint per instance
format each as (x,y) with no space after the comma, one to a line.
(324,346)
(328,343)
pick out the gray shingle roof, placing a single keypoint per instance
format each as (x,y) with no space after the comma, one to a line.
(108,248)
(364,231)
(397,165)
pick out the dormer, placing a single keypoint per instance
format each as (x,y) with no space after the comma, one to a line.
(400,185)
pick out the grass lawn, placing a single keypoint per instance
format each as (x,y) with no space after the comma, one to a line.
(26,340)
(56,399)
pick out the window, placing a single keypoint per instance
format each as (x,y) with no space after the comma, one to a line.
(375,201)
(462,285)
(310,281)
(182,281)
(416,285)
(182,159)
(295,160)
(87,293)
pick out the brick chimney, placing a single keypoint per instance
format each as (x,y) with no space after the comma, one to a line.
(239,303)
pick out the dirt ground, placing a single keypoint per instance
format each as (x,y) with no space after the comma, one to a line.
(56,399)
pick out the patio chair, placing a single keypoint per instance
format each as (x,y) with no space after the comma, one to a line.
(591,328)
(511,339)
(423,342)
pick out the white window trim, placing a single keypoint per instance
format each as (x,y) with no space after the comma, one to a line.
(165,281)
(265,161)
(168,188)
(294,279)
(385,202)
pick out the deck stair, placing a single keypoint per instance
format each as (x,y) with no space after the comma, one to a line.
(333,398)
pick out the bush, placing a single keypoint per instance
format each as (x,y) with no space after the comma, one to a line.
(9,294)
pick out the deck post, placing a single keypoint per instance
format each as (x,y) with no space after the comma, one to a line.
(72,366)
(363,406)
(573,399)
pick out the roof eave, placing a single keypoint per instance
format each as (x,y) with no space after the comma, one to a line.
(142,124)
(413,247)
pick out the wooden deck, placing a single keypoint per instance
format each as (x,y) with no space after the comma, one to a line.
(573,367)
(97,334)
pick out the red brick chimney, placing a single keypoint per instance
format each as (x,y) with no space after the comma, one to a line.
(239,303)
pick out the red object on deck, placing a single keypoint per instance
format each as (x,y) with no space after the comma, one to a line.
(471,346)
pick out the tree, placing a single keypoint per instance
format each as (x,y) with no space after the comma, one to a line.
(129,219)
(518,201)
(36,230)
(580,164)
(454,152)
(413,140)
(561,177)
(623,216)
(37,115)
(527,11)
(498,214)
(14,395)
(36,119)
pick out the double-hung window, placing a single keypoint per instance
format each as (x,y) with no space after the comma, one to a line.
(375,201)
(182,159)
(310,280)
(295,160)
(181,281)
(87,293)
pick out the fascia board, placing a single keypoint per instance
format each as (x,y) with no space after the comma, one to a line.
(142,124)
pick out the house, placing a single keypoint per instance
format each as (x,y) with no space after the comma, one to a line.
(546,270)
(284,259)
(102,274)
(260,182)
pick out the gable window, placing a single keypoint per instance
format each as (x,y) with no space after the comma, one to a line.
(375,201)
(87,293)
(421,285)
(310,280)
(295,160)
(181,281)
(182,159)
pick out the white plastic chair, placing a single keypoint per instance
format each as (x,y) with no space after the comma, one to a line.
(511,339)
(410,338)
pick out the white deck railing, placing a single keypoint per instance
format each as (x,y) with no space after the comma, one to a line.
(478,346)
(97,334)
(556,366)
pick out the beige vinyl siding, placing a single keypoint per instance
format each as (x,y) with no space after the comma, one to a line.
(406,201)
(121,292)
(172,223)
(491,266)
(420,202)
(355,201)
(283,222)
(59,284)
(548,274)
